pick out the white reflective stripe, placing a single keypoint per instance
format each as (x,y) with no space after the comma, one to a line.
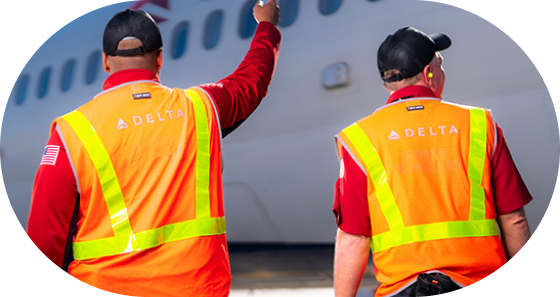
(351,154)
(495,134)
(216,114)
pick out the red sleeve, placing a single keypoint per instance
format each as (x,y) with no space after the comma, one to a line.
(239,94)
(350,198)
(510,192)
(53,203)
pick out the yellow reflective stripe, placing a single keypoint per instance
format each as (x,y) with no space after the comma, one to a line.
(477,156)
(378,175)
(105,171)
(148,239)
(202,155)
(435,231)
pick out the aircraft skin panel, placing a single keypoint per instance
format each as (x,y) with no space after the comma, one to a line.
(280,166)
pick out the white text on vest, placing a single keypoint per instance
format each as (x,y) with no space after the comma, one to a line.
(151,118)
(425,131)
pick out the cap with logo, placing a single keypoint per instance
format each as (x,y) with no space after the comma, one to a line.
(131,24)
(409,50)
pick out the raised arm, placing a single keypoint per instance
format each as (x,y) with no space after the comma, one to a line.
(239,94)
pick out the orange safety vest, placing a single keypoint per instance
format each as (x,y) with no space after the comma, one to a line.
(429,191)
(148,169)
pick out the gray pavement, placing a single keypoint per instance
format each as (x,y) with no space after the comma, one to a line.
(288,267)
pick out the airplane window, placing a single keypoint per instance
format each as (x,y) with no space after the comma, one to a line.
(67,75)
(329,6)
(44,79)
(212,29)
(21,89)
(289,12)
(179,41)
(247,23)
(93,65)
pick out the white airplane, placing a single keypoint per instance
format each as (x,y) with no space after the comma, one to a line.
(280,165)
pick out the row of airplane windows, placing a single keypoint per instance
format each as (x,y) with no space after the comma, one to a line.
(211,38)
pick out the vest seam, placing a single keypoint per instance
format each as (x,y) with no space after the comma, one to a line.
(78,188)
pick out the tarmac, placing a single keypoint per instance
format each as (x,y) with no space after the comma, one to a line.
(288,270)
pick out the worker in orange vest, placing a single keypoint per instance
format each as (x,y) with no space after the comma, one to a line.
(422,183)
(129,197)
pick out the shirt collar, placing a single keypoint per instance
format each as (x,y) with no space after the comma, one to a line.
(411,92)
(129,75)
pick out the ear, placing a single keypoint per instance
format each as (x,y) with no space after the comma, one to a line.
(427,74)
(106,64)
(428,77)
(159,60)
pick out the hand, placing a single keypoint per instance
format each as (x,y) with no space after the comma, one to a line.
(269,12)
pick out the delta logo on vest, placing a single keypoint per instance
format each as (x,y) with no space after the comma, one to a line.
(424,131)
(151,118)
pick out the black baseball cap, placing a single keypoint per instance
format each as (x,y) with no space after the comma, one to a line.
(131,23)
(409,50)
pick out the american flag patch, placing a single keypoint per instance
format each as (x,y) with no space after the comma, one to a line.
(50,154)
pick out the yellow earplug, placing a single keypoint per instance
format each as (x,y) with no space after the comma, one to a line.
(430,75)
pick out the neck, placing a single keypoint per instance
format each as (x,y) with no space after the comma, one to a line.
(420,83)
(413,91)
(129,75)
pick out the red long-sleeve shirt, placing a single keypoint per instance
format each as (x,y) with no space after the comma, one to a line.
(54,206)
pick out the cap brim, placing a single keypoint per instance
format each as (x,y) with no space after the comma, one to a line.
(441,40)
